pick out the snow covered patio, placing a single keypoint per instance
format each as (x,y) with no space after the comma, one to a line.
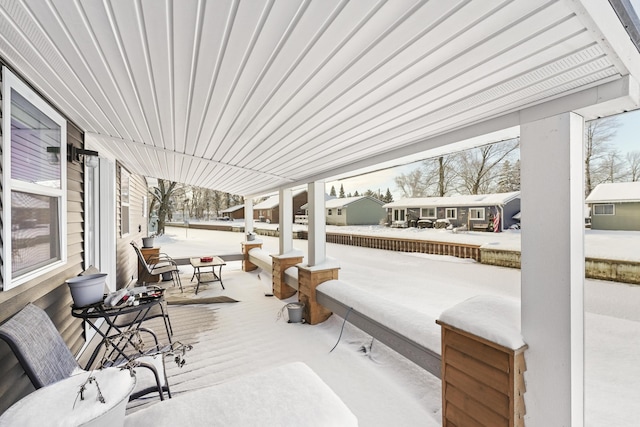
(231,340)
(380,387)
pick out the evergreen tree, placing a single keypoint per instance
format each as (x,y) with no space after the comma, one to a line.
(333,191)
(341,191)
(388,197)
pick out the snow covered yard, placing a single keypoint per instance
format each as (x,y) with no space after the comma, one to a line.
(432,284)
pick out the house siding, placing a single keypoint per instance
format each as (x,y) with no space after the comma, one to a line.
(360,212)
(48,291)
(627,217)
(127,264)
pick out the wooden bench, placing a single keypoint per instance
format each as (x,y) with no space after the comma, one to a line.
(480,226)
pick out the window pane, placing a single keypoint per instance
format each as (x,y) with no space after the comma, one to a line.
(34,232)
(35,142)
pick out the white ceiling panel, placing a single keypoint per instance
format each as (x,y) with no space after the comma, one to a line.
(250,96)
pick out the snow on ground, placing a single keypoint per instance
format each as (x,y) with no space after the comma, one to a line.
(432,284)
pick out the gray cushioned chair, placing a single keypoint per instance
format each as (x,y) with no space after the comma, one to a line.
(46,359)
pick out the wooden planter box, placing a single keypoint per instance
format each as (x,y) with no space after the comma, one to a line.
(482,382)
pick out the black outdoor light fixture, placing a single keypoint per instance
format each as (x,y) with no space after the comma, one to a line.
(74,155)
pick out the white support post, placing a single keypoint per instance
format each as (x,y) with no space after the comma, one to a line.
(317,232)
(552,191)
(248,216)
(286,221)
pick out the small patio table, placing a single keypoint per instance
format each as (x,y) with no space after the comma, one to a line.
(198,264)
(115,331)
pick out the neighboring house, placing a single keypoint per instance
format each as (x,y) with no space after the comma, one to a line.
(475,211)
(615,206)
(268,210)
(359,210)
(234,212)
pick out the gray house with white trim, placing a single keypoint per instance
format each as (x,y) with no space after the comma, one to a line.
(615,206)
(476,211)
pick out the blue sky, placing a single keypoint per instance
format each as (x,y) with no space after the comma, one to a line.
(627,139)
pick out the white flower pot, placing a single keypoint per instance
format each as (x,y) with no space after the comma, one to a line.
(147,242)
(87,290)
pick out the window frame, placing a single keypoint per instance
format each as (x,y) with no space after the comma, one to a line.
(455,213)
(432,209)
(12,83)
(480,217)
(125,204)
(613,209)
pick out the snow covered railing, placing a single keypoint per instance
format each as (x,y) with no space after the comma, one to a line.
(260,258)
(413,334)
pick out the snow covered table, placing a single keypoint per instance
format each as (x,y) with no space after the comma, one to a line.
(289,395)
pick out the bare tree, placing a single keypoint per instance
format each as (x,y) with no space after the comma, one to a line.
(509,178)
(633,166)
(161,196)
(597,146)
(439,175)
(477,168)
(411,184)
(612,168)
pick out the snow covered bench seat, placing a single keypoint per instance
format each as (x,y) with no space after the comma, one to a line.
(412,333)
(289,395)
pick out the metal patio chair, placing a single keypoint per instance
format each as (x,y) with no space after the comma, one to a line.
(159,265)
(46,359)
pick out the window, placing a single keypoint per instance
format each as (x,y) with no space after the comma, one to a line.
(339,211)
(451,213)
(125,189)
(34,184)
(607,209)
(476,213)
(428,213)
(329,212)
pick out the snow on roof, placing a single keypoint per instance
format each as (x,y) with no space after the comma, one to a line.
(274,201)
(620,192)
(344,201)
(467,200)
(232,208)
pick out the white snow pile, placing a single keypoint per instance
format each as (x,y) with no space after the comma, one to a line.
(288,395)
(495,319)
(420,326)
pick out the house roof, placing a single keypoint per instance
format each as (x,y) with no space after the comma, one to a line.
(345,201)
(251,97)
(617,192)
(274,201)
(232,209)
(497,199)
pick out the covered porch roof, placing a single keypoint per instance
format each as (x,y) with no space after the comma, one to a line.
(250,97)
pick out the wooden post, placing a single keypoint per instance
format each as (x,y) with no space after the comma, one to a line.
(308,280)
(279,264)
(246,247)
(482,382)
